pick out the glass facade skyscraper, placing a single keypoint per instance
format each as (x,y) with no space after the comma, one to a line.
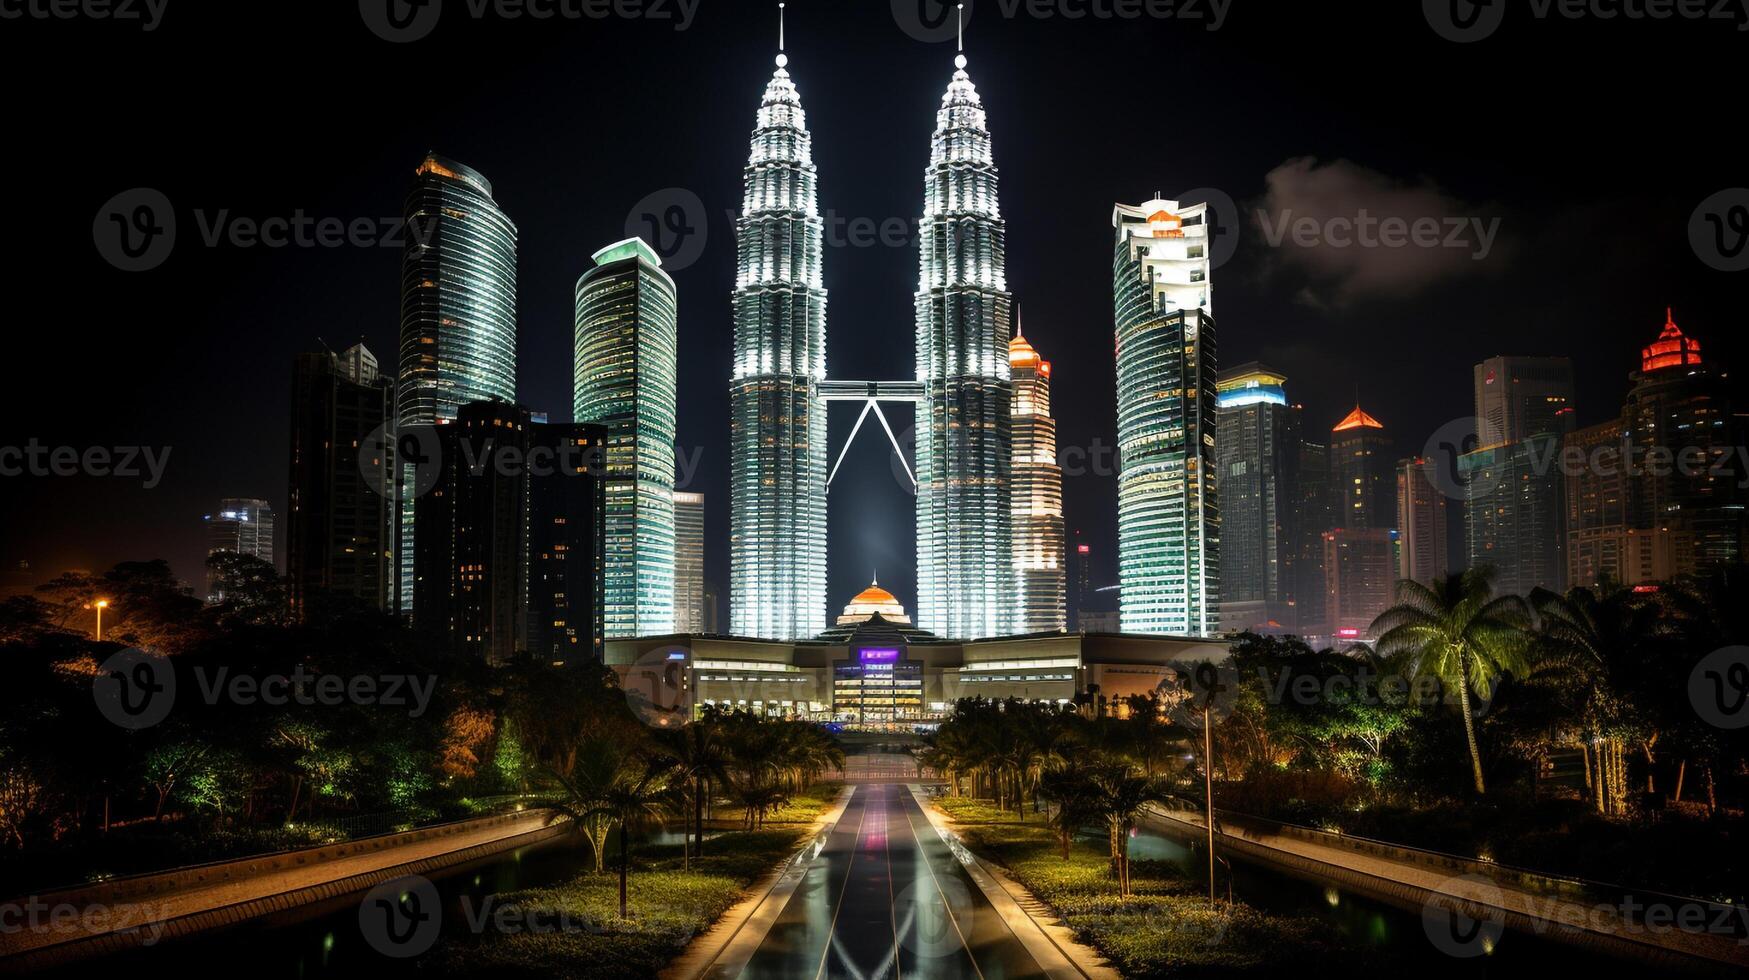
(965,566)
(1258,445)
(1039,538)
(1169,524)
(777,420)
(625,369)
(458,310)
(689,591)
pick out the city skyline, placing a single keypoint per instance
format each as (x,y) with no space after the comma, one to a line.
(1081,417)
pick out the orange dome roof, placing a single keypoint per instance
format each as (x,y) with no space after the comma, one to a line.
(1357,419)
(875,595)
(1021,353)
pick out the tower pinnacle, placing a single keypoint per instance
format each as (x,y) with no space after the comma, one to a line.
(959,60)
(782,59)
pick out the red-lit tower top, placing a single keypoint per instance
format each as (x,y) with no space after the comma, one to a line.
(1671,349)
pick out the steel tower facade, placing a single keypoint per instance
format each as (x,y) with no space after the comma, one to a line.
(1040,545)
(965,566)
(777,505)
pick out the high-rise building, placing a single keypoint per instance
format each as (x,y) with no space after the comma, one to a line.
(1039,539)
(1423,553)
(964,313)
(1258,446)
(508,537)
(458,312)
(1360,561)
(777,419)
(241,525)
(1080,579)
(1314,513)
(689,591)
(1359,575)
(340,526)
(1681,428)
(1519,397)
(567,509)
(1360,473)
(626,364)
(1514,515)
(1169,525)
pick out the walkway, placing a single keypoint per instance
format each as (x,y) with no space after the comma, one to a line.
(113,915)
(885,897)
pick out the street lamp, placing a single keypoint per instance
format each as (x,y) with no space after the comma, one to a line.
(99,605)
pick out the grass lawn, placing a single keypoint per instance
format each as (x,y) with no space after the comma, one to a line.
(583,935)
(1165,929)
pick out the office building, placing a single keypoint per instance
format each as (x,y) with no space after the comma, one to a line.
(1258,448)
(1039,539)
(1423,552)
(689,591)
(243,526)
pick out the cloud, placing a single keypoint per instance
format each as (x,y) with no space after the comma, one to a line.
(1344,233)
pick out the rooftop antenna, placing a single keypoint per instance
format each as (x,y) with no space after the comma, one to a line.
(782,59)
(1019,331)
(959,60)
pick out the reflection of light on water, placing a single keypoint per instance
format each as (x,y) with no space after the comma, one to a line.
(1487,944)
(1332,897)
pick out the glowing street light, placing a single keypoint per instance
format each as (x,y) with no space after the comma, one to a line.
(100,605)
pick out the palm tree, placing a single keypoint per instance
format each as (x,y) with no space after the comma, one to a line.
(1073,796)
(699,758)
(630,798)
(1458,631)
(1120,796)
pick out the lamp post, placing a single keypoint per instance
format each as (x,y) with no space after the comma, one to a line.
(99,605)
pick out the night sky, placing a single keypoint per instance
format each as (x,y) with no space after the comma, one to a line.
(1592,142)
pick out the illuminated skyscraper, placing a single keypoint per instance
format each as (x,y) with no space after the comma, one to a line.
(626,354)
(1258,447)
(1169,525)
(1423,554)
(1039,545)
(689,591)
(242,525)
(777,420)
(458,310)
(965,562)
(1360,561)
(1524,408)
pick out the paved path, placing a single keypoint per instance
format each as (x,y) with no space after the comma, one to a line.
(885,897)
(1485,896)
(156,913)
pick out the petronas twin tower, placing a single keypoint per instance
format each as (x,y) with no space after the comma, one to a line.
(963,387)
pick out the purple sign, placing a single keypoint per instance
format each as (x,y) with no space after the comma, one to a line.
(878,655)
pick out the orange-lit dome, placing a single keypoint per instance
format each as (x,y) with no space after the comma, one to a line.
(870,601)
(1021,353)
(875,595)
(1671,349)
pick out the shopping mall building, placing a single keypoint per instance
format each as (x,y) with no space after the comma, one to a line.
(874,668)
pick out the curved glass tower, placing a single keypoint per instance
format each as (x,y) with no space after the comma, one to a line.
(626,365)
(1168,525)
(777,419)
(458,308)
(965,568)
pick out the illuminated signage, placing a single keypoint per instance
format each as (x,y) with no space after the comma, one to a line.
(877,655)
(1348,632)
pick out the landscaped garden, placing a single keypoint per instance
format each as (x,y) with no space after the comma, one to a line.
(1165,926)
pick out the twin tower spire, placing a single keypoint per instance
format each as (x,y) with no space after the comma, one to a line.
(962,389)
